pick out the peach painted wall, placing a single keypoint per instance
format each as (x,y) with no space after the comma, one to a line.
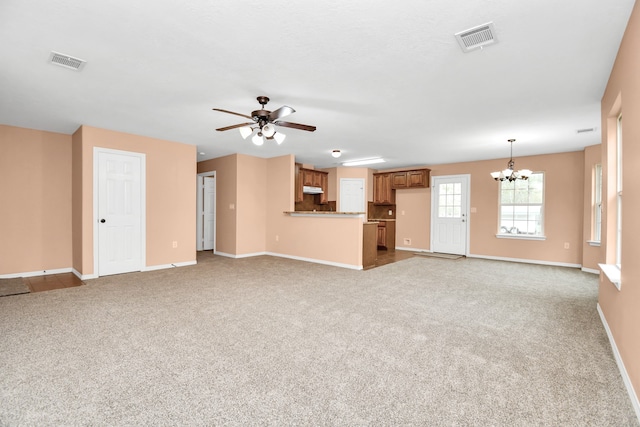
(563,210)
(170,195)
(621,308)
(251,204)
(413,218)
(226,199)
(591,255)
(35,206)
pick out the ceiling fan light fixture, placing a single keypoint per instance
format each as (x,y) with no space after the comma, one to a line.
(268,130)
(245,131)
(257,139)
(279,137)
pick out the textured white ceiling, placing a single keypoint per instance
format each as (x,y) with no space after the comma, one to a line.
(376,78)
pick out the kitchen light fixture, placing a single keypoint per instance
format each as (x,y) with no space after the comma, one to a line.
(510,174)
(364,162)
(336,153)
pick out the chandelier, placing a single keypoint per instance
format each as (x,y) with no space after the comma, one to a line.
(509,174)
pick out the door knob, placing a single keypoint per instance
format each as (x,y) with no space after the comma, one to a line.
(103,220)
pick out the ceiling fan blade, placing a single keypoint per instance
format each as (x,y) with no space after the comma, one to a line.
(295,126)
(235,126)
(231,112)
(281,112)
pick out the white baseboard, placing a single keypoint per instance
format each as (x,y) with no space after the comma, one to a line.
(404,248)
(623,371)
(526,261)
(84,276)
(590,270)
(298,258)
(165,266)
(316,261)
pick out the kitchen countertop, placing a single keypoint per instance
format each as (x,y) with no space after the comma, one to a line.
(382,219)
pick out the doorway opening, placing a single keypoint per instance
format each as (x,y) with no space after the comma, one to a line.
(206,212)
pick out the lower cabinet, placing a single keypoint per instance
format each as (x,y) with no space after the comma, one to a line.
(387,235)
(369,247)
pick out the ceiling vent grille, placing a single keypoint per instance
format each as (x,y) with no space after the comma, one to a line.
(66,61)
(477,37)
(586,130)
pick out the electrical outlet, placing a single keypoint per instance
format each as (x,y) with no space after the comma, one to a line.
(390,212)
(175,244)
(566,245)
(407,241)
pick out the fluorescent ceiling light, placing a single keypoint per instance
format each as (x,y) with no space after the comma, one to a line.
(364,162)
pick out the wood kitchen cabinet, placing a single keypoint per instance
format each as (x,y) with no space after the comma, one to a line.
(308,176)
(382,191)
(324,183)
(418,178)
(387,235)
(312,178)
(299,196)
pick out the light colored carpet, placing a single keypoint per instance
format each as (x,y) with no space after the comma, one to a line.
(268,341)
(10,287)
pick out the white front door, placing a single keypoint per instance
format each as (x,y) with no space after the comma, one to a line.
(351,195)
(120,201)
(449,216)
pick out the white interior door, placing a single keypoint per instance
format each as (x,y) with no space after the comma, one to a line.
(206,212)
(209,213)
(120,209)
(351,195)
(449,215)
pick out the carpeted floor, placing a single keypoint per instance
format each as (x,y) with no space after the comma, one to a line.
(269,341)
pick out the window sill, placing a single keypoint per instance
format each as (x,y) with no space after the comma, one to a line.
(593,243)
(613,274)
(520,236)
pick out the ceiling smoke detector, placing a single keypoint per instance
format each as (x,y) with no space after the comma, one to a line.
(66,61)
(477,37)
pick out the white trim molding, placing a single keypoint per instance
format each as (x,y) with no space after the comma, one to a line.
(623,371)
(613,274)
(165,266)
(36,273)
(316,261)
(526,261)
(590,270)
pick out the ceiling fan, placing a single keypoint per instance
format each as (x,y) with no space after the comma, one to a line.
(263,123)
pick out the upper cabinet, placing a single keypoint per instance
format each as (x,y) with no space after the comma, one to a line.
(312,178)
(382,191)
(385,184)
(418,178)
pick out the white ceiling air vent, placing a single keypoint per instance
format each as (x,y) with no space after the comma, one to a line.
(477,37)
(66,61)
(586,130)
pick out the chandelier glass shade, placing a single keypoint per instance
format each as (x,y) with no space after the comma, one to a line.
(509,174)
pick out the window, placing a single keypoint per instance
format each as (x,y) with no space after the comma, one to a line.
(597,203)
(521,207)
(450,203)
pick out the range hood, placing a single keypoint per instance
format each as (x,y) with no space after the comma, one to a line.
(312,190)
